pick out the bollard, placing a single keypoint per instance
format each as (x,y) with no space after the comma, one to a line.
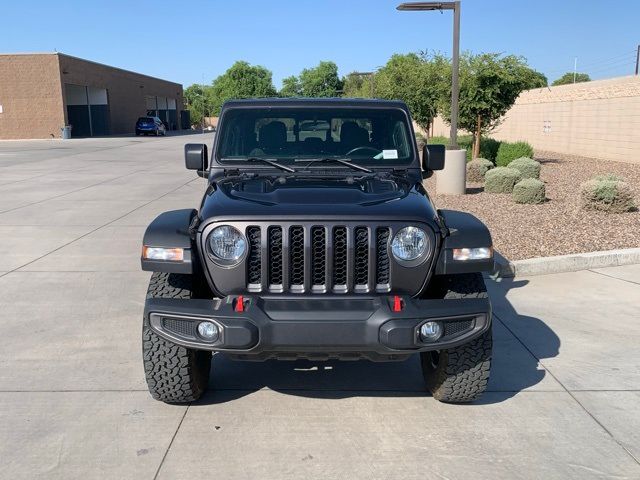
(452,180)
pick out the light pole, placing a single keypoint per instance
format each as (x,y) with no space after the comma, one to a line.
(455,88)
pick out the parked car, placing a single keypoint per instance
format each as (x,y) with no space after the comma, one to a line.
(153,125)
(327,247)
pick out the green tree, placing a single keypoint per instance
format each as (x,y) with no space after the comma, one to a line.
(196,102)
(489,85)
(359,85)
(291,87)
(567,78)
(241,80)
(416,79)
(320,81)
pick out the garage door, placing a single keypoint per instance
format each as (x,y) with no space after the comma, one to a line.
(87,110)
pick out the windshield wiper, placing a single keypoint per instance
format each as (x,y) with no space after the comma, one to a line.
(342,161)
(273,163)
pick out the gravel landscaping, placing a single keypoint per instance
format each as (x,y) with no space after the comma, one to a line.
(558,226)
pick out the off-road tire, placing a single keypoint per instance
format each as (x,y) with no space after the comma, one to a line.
(460,374)
(174,374)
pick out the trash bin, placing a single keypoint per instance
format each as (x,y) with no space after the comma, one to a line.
(66,132)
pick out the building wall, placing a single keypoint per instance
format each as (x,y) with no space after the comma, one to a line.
(127,91)
(31,97)
(598,119)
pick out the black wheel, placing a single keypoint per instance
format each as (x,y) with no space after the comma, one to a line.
(174,374)
(460,374)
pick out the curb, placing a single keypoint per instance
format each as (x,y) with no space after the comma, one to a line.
(566,263)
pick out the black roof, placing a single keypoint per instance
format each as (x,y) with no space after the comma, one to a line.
(320,102)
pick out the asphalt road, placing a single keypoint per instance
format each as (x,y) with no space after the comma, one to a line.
(562,403)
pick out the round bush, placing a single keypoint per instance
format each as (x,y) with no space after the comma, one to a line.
(421,141)
(527,167)
(529,190)
(501,180)
(607,194)
(477,168)
(508,152)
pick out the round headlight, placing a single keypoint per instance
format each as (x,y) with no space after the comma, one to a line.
(227,243)
(409,244)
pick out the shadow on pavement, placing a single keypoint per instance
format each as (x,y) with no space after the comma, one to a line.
(514,368)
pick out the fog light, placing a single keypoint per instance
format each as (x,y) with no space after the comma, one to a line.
(209,331)
(430,331)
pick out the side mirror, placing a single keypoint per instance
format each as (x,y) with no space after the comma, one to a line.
(432,158)
(196,157)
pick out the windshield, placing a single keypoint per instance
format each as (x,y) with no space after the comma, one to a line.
(364,135)
(145,120)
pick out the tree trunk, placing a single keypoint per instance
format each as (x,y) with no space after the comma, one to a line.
(476,140)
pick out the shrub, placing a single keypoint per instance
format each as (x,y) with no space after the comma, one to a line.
(607,193)
(507,152)
(488,146)
(527,167)
(421,141)
(501,180)
(529,190)
(477,168)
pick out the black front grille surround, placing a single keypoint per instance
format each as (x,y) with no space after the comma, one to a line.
(314,257)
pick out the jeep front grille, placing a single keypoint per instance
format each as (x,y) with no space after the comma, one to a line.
(318,259)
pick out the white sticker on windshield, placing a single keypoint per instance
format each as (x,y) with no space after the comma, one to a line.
(389,154)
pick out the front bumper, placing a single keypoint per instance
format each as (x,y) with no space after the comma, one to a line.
(290,327)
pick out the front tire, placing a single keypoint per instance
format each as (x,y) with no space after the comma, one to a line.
(174,374)
(460,374)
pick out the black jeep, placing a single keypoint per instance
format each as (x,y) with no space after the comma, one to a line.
(316,240)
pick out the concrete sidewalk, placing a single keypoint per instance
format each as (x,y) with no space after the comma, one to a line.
(562,403)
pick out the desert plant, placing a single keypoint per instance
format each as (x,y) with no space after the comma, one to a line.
(607,193)
(501,180)
(527,167)
(507,152)
(529,190)
(421,141)
(477,168)
(488,146)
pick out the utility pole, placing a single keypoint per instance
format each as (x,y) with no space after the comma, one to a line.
(637,59)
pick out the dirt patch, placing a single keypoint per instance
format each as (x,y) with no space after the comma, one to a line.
(558,226)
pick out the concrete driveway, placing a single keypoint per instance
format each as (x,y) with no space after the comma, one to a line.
(563,400)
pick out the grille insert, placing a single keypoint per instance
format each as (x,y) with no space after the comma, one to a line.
(361,248)
(275,256)
(382,254)
(340,256)
(318,258)
(254,263)
(296,247)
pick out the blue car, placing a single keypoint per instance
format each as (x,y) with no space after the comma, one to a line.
(153,125)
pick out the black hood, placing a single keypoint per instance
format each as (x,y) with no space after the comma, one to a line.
(303,197)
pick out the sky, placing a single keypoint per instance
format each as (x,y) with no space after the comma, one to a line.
(193,42)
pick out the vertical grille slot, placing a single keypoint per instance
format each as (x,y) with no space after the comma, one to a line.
(318,256)
(339,257)
(296,251)
(275,255)
(382,261)
(254,262)
(361,267)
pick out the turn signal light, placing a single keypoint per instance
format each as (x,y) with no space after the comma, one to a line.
(160,253)
(482,253)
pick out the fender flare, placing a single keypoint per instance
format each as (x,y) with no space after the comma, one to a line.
(463,231)
(171,230)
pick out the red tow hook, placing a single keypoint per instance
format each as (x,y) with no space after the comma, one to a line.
(239,304)
(397,304)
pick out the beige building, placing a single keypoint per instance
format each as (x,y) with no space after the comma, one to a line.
(41,93)
(597,119)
